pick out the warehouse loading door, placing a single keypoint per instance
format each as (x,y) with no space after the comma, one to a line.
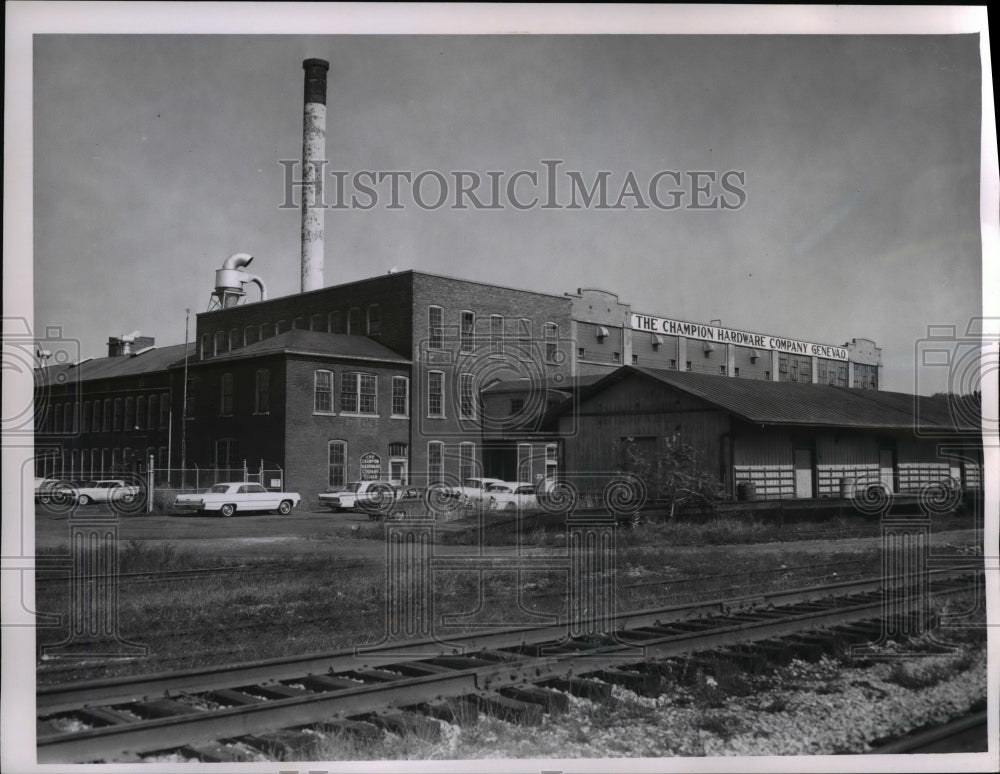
(803,473)
(887,469)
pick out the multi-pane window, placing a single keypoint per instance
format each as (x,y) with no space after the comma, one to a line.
(235,339)
(551,460)
(127,458)
(468,332)
(496,335)
(467,398)
(117,424)
(337,464)
(400,396)
(466,460)
(551,333)
(107,415)
(336,322)
(96,423)
(435,393)
(86,416)
(250,333)
(206,341)
(68,424)
(226,395)
(317,322)
(794,368)
(398,462)
(140,412)
(524,462)
(298,324)
(435,327)
(219,345)
(225,453)
(435,462)
(262,391)
(56,417)
(374,322)
(322,392)
(358,393)
(129,413)
(524,329)
(354,321)
(152,412)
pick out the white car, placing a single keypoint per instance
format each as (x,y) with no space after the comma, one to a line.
(370,495)
(108,490)
(474,489)
(511,495)
(229,497)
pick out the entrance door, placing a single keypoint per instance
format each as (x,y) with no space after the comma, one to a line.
(803,473)
(887,469)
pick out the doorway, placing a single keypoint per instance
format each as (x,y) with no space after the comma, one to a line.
(804,473)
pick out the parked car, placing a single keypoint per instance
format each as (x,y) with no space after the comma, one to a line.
(474,489)
(229,497)
(511,495)
(107,490)
(370,495)
(50,489)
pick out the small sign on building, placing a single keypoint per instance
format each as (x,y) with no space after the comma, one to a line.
(371,467)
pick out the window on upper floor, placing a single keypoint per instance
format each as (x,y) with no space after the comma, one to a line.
(435,394)
(435,327)
(400,396)
(323,392)
(358,393)
(468,332)
(262,391)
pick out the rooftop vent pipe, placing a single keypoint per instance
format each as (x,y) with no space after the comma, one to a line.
(230,279)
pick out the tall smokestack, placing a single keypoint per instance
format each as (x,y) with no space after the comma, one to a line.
(313,162)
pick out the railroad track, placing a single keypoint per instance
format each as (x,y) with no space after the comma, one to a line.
(509,672)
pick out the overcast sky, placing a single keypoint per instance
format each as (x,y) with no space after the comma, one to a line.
(156,157)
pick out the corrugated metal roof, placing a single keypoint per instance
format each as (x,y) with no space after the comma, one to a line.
(154,360)
(791,403)
(302,342)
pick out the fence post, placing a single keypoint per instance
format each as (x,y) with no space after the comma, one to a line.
(149,485)
(245,479)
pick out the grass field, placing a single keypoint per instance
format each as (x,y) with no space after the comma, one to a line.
(299,602)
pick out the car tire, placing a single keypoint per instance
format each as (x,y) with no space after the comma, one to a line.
(83,500)
(510,507)
(128,497)
(227,510)
(285,507)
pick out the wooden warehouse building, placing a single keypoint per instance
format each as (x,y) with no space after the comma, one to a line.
(787,440)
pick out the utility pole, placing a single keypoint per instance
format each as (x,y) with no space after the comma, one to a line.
(187,317)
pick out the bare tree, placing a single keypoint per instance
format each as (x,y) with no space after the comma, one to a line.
(674,474)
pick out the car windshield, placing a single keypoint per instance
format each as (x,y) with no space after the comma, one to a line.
(525,490)
(354,486)
(220,488)
(497,488)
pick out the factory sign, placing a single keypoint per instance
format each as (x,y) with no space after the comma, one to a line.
(371,467)
(714,333)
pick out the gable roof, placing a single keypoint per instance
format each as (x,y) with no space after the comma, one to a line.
(301,342)
(159,359)
(813,405)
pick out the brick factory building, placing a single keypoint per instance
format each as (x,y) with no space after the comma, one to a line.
(418,377)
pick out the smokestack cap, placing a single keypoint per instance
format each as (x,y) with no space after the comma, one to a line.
(316,70)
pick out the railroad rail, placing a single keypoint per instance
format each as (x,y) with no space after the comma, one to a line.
(126,717)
